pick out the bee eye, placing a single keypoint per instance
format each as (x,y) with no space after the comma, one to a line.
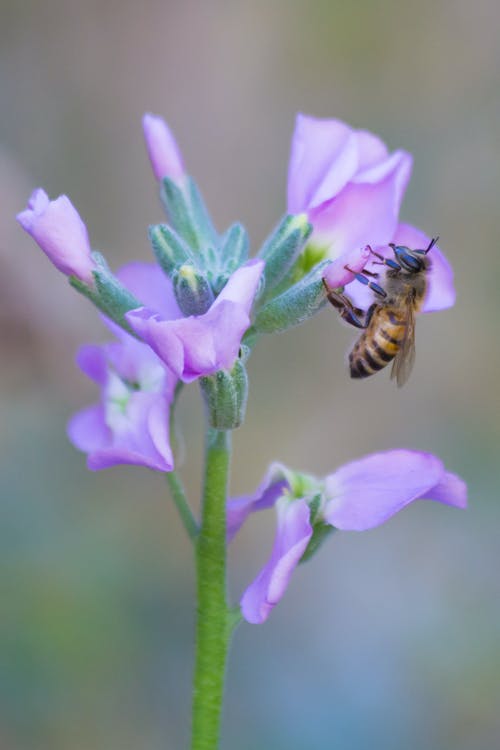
(408,259)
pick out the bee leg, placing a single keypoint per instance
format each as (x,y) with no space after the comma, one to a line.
(370,284)
(370,273)
(385,261)
(369,313)
(352,315)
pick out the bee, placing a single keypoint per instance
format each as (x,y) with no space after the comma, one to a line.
(389,323)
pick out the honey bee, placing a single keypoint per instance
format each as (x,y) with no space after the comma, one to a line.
(389,323)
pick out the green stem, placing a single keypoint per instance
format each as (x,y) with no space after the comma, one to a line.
(213,629)
(182,505)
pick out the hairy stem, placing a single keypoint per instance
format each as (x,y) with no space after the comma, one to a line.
(213,629)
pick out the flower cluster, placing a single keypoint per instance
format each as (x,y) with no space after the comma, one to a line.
(196,313)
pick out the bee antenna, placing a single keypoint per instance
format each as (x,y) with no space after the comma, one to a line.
(431,244)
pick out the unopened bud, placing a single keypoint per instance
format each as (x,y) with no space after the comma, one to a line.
(169,249)
(188,214)
(283,246)
(225,395)
(234,250)
(192,290)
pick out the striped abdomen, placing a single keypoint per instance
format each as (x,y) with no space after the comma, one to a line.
(379,343)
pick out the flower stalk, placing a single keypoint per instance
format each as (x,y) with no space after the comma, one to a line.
(213,614)
(182,505)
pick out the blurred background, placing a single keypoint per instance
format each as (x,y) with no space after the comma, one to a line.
(389,638)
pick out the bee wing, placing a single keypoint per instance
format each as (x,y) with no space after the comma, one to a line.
(405,358)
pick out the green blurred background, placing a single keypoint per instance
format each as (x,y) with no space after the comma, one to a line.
(386,639)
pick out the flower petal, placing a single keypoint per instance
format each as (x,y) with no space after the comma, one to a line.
(87,429)
(364,212)
(56,226)
(271,488)
(365,493)
(242,285)
(131,426)
(135,435)
(91,359)
(163,151)
(450,490)
(324,157)
(292,537)
(336,274)
(371,149)
(151,286)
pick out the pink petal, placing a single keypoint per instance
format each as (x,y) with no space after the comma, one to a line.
(365,213)
(151,286)
(323,159)
(292,537)
(271,488)
(365,493)
(163,151)
(336,274)
(87,429)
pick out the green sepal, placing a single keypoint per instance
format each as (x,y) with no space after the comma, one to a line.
(282,248)
(169,249)
(321,531)
(187,213)
(295,306)
(108,295)
(233,252)
(234,248)
(225,395)
(192,290)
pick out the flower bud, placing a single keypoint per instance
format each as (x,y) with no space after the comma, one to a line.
(225,395)
(299,303)
(169,249)
(56,226)
(163,151)
(188,214)
(192,290)
(283,246)
(233,253)
(234,249)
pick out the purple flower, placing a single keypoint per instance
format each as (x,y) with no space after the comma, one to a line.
(58,229)
(351,189)
(200,345)
(131,423)
(163,151)
(348,184)
(358,496)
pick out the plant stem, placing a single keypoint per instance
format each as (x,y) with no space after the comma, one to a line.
(182,505)
(212,629)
